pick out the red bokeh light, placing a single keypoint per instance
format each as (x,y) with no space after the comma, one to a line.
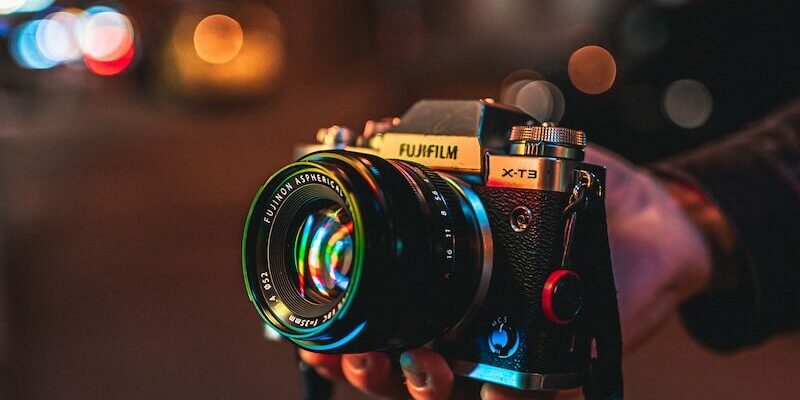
(111,67)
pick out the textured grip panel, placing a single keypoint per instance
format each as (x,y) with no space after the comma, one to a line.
(527,258)
(522,262)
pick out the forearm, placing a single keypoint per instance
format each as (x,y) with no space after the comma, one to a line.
(745,197)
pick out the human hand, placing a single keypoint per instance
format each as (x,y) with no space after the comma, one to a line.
(659,257)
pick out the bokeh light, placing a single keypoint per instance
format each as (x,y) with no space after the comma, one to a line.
(104,34)
(508,94)
(514,81)
(106,39)
(56,36)
(243,58)
(687,103)
(100,36)
(592,69)
(97,10)
(10,6)
(35,5)
(541,100)
(25,49)
(113,66)
(218,39)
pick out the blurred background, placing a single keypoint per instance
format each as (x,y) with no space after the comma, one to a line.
(133,135)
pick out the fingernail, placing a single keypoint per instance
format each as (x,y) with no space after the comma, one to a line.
(485,392)
(493,392)
(357,361)
(412,371)
(416,379)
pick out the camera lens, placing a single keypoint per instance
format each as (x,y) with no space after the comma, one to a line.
(349,252)
(323,254)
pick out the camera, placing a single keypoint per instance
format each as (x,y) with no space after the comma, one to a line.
(463,225)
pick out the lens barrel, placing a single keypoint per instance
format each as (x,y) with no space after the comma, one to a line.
(348,252)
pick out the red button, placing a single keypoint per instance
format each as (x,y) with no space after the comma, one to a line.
(562,296)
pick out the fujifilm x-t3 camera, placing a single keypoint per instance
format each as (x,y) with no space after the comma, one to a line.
(467,226)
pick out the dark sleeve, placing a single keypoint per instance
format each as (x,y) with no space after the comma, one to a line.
(754,179)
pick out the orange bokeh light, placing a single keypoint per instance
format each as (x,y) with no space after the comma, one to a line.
(218,39)
(252,62)
(592,69)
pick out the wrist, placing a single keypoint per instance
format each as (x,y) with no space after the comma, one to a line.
(705,273)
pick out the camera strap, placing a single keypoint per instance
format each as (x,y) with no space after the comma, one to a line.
(604,371)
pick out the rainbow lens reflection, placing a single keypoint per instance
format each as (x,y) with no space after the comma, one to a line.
(323,254)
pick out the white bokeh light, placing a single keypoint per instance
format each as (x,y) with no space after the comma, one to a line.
(508,94)
(56,37)
(105,35)
(35,5)
(10,6)
(687,103)
(541,100)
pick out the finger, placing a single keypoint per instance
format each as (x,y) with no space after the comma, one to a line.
(372,373)
(428,377)
(494,392)
(327,365)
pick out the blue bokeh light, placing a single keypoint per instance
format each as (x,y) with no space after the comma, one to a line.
(99,9)
(25,50)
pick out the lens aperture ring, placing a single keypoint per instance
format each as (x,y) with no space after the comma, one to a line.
(443,202)
(448,196)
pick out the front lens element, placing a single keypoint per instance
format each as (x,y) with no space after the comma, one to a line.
(323,254)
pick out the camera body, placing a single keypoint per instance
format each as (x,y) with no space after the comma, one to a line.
(542,312)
